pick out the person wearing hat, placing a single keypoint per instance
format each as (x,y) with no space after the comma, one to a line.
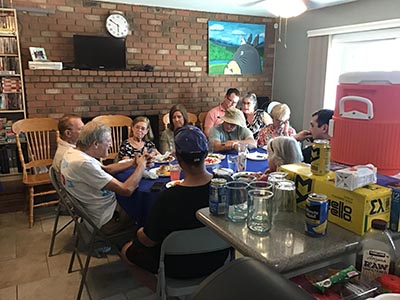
(233,131)
(213,115)
(175,209)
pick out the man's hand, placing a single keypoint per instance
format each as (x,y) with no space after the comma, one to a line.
(141,160)
(303,135)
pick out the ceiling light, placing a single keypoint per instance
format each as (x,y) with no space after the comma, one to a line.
(286,8)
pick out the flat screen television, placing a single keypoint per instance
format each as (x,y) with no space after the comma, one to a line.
(98,52)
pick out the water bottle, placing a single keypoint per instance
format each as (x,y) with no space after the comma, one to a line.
(377,255)
(242,157)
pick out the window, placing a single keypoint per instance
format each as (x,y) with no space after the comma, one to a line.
(373,50)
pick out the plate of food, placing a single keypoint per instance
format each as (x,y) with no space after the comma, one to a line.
(246,176)
(210,161)
(173,183)
(216,155)
(161,171)
(163,159)
(257,156)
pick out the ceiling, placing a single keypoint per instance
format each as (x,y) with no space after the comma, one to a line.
(241,7)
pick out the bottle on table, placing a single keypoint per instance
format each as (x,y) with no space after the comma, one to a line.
(377,255)
(242,157)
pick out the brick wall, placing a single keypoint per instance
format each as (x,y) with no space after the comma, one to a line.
(173,41)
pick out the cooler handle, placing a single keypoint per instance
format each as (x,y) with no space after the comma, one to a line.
(353,114)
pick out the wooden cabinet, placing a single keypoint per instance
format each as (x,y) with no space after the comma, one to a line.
(12,93)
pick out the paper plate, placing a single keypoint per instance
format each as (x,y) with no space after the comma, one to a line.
(211,161)
(257,156)
(216,155)
(173,183)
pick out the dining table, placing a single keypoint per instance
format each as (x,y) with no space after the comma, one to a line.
(139,204)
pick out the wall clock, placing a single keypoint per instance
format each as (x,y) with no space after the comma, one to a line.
(117,25)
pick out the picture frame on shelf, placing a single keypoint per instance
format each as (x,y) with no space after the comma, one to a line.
(38,54)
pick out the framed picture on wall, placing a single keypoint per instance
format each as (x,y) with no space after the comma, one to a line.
(38,54)
(235,48)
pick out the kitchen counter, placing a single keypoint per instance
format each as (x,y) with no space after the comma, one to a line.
(286,247)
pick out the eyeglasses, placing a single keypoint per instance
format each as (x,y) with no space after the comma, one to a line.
(246,103)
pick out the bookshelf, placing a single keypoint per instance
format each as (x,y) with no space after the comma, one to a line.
(12,92)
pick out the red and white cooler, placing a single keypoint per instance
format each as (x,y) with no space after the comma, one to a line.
(366,123)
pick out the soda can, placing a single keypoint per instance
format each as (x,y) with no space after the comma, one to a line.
(217,198)
(316,215)
(320,157)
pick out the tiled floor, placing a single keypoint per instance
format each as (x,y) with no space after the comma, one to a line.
(26,271)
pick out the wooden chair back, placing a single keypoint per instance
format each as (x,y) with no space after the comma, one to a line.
(40,136)
(192,119)
(120,130)
(202,117)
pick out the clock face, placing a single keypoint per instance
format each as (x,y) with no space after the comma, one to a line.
(117,25)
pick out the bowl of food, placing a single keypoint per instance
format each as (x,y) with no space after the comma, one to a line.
(244,176)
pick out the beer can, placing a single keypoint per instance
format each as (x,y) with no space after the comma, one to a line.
(320,157)
(316,215)
(217,198)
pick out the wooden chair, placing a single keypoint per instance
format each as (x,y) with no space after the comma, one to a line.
(120,130)
(202,117)
(41,137)
(192,119)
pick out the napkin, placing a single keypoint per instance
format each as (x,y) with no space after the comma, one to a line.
(149,175)
(161,157)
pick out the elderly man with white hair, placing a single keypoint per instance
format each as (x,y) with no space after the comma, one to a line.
(232,132)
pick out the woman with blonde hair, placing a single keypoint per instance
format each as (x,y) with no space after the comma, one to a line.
(255,118)
(282,150)
(280,125)
(139,141)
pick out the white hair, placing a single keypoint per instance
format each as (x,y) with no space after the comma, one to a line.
(284,150)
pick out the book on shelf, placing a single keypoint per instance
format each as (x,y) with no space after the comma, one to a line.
(7,22)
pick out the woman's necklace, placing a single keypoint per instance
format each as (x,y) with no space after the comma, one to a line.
(136,144)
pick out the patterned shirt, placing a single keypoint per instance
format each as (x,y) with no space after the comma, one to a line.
(257,124)
(269,132)
(127,150)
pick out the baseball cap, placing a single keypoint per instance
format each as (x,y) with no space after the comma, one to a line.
(191,143)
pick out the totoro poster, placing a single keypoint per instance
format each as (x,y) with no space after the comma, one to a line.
(235,48)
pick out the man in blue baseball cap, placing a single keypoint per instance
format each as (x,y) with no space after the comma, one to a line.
(175,210)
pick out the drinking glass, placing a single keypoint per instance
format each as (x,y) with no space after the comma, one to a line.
(174,171)
(242,157)
(260,211)
(236,201)
(232,162)
(274,178)
(285,191)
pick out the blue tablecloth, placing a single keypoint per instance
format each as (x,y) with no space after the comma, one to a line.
(138,205)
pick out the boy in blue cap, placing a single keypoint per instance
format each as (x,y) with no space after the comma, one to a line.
(176,210)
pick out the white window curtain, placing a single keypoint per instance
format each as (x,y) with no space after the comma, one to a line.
(315,78)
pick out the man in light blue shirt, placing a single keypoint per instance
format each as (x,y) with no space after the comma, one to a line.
(232,132)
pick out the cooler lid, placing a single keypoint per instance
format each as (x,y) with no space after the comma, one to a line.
(375,77)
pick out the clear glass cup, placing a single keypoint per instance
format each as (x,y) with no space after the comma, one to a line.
(236,201)
(274,178)
(260,211)
(174,171)
(232,162)
(285,191)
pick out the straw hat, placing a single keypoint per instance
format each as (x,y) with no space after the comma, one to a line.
(234,116)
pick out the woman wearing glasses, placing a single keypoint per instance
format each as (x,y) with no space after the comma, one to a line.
(255,118)
(280,125)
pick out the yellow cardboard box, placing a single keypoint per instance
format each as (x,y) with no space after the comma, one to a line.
(353,210)
(304,180)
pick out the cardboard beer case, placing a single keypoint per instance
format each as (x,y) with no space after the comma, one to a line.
(304,180)
(352,210)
